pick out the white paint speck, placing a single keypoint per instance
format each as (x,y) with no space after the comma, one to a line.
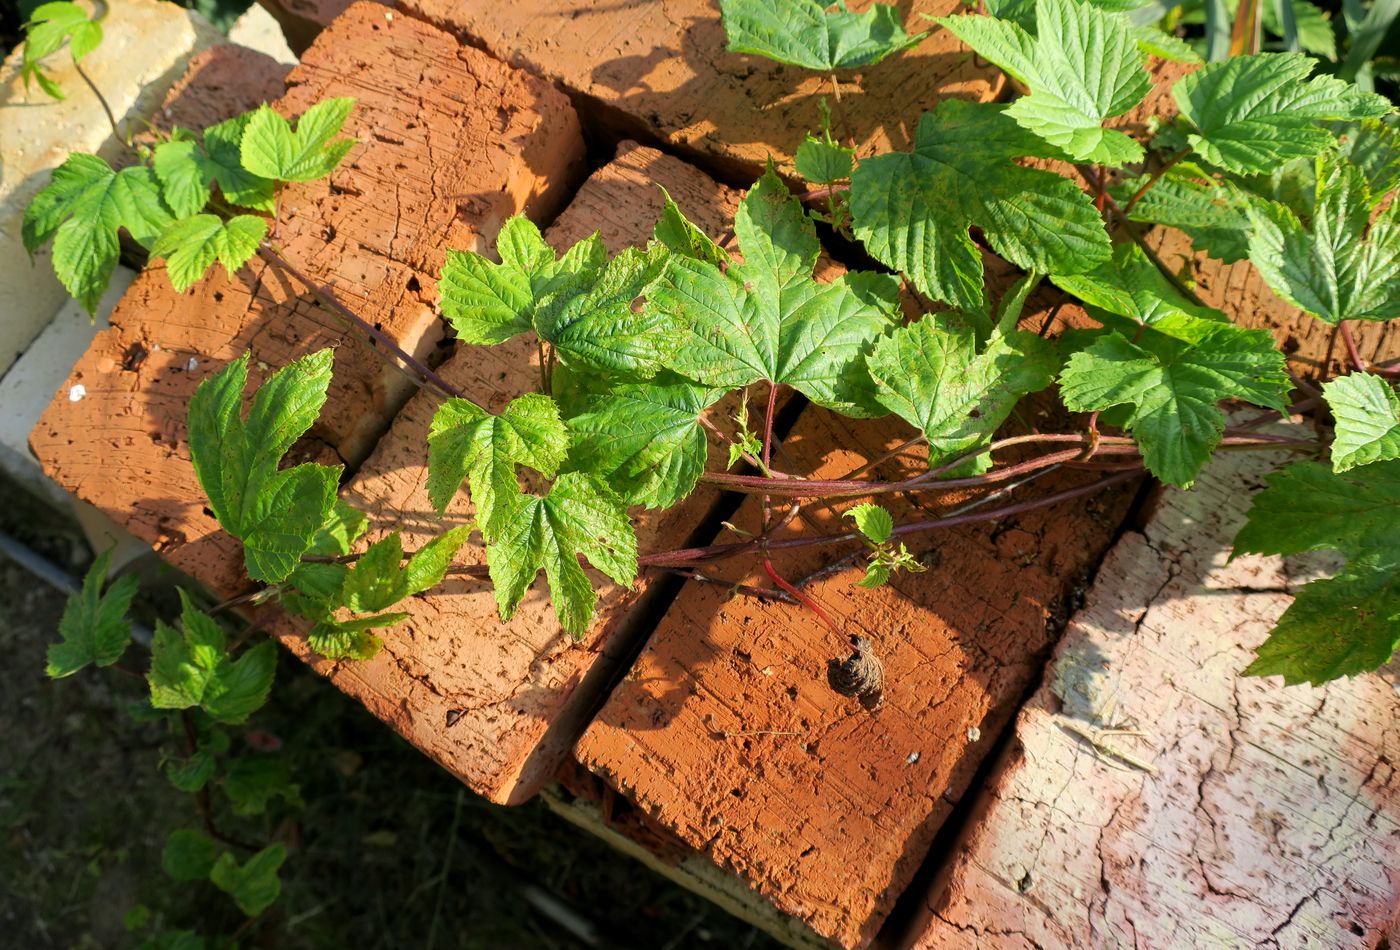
(192,365)
(913,757)
(77,392)
(973,733)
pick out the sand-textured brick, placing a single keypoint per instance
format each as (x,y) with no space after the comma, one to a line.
(660,70)
(1242,814)
(727,732)
(452,142)
(500,704)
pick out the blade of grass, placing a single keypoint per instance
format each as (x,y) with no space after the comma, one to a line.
(1288,22)
(1366,39)
(1217,30)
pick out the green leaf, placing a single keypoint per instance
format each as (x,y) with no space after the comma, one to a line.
(94,627)
(1168,46)
(1308,507)
(676,232)
(1252,113)
(1374,149)
(609,320)
(254,781)
(821,162)
(192,244)
(1210,214)
(579,516)
(49,26)
(1314,28)
(1343,265)
(767,319)
(1083,66)
(913,210)
(934,378)
(188,171)
(1367,414)
(1173,379)
(188,855)
(351,639)
(276,513)
(465,442)
(1350,623)
(81,210)
(806,33)
(194,669)
(428,565)
(377,582)
(872,521)
(193,773)
(272,149)
(644,440)
(488,303)
(254,885)
(1130,285)
(1338,626)
(222,164)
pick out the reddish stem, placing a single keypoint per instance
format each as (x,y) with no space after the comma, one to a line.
(1353,353)
(801,597)
(1154,178)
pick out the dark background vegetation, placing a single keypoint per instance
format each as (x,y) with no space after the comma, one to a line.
(387,851)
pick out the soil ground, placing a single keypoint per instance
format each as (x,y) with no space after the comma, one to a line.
(390,850)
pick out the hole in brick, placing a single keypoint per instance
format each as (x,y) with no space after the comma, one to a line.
(792,692)
(218,296)
(207,511)
(413,284)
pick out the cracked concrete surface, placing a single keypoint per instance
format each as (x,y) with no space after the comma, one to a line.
(1273,818)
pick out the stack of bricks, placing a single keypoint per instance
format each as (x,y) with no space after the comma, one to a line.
(710,711)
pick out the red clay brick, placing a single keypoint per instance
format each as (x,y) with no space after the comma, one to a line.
(727,733)
(1273,815)
(499,705)
(452,143)
(660,70)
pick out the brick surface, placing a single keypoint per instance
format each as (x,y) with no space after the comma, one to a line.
(727,733)
(451,143)
(1273,815)
(145,46)
(660,70)
(498,704)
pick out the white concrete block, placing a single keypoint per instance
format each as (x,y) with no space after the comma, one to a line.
(257,30)
(144,49)
(29,385)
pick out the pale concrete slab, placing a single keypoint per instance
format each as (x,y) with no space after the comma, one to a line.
(145,46)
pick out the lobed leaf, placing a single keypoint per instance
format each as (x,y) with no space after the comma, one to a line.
(1082,66)
(1173,380)
(466,443)
(1251,113)
(94,627)
(1350,623)
(272,149)
(1367,414)
(809,34)
(276,513)
(768,320)
(644,440)
(934,378)
(191,245)
(1344,264)
(913,210)
(579,517)
(254,885)
(193,669)
(82,210)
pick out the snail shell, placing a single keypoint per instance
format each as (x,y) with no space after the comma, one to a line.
(860,675)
